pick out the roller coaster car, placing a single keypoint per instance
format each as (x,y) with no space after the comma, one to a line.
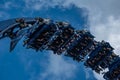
(98,56)
(44,36)
(88,49)
(108,60)
(114,72)
(79,46)
(61,39)
(21,22)
(102,49)
(68,43)
(56,43)
(32,35)
(40,23)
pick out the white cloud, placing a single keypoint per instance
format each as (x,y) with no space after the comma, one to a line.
(87,73)
(41,4)
(108,31)
(58,69)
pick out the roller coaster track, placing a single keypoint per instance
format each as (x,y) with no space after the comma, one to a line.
(60,37)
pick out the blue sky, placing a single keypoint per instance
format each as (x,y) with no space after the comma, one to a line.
(100,17)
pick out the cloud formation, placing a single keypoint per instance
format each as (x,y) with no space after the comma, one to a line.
(58,69)
(40,4)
